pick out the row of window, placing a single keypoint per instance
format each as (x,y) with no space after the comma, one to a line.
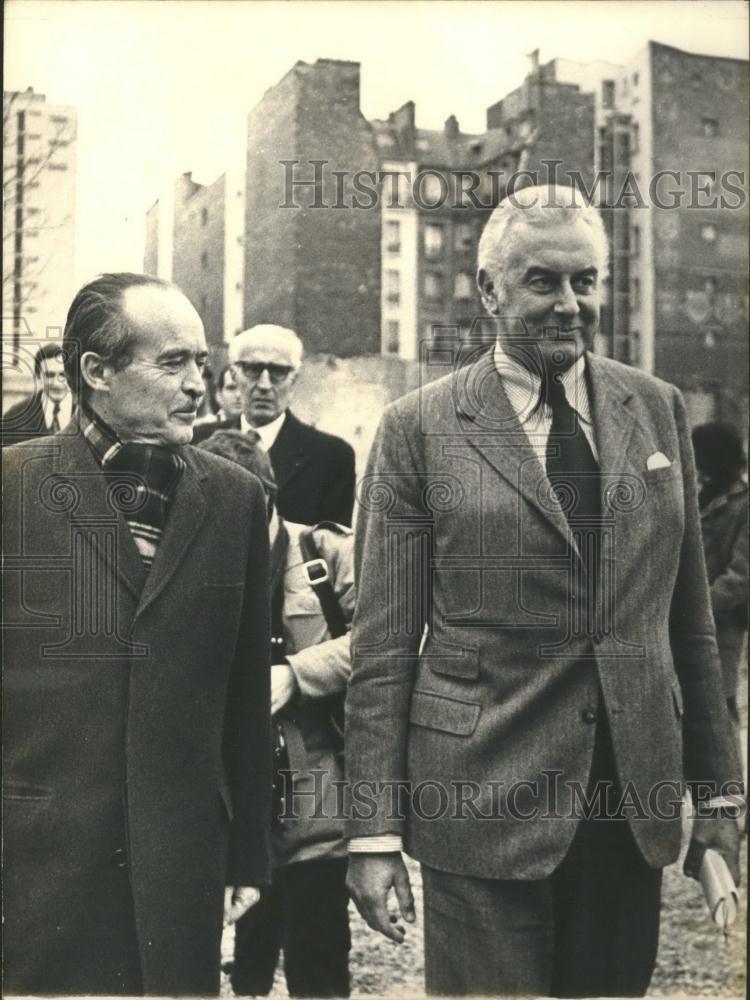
(433,286)
(433,238)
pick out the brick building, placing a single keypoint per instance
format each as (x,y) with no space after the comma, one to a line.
(312,267)
(362,235)
(670,126)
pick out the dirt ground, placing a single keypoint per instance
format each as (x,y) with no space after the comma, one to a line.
(694,956)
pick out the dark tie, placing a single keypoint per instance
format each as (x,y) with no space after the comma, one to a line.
(55,418)
(574,475)
(571,467)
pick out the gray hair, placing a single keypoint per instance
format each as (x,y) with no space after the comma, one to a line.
(267,335)
(540,207)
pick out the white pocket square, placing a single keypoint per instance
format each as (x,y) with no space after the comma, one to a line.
(657,461)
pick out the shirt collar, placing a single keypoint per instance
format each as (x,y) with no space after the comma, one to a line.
(523,386)
(64,411)
(267,433)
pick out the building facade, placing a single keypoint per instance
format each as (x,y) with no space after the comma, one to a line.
(39,196)
(195,237)
(362,235)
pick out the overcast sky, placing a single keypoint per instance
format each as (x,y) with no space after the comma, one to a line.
(163,86)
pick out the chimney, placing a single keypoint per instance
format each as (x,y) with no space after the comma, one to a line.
(403,122)
(451,126)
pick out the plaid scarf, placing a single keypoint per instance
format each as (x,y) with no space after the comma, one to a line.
(148,475)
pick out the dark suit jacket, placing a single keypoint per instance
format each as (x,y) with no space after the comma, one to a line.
(136,724)
(24,420)
(314,471)
(458,529)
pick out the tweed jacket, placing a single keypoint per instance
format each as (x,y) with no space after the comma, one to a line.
(478,676)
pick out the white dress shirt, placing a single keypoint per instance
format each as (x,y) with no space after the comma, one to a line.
(267,433)
(522,388)
(63,414)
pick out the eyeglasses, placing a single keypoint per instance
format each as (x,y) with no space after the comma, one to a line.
(252,370)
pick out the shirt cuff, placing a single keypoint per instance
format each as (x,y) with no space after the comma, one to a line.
(388,842)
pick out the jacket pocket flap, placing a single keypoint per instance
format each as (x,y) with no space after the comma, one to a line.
(448,715)
(679,706)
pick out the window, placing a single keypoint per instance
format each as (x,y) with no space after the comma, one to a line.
(392,336)
(608,93)
(635,296)
(433,286)
(393,236)
(393,286)
(204,260)
(635,138)
(56,166)
(709,127)
(204,305)
(463,236)
(708,234)
(204,216)
(433,239)
(462,286)
(635,79)
(58,143)
(58,119)
(635,241)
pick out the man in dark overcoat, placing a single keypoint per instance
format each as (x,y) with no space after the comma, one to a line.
(136,630)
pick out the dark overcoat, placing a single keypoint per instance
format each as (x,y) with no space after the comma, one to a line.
(490,717)
(314,471)
(136,724)
(24,420)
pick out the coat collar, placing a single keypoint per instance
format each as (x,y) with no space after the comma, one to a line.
(78,467)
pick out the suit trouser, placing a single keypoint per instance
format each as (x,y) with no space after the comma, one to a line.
(304,913)
(590,929)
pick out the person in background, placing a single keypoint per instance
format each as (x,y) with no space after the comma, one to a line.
(207,408)
(314,471)
(228,395)
(49,409)
(304,912)
(723,501)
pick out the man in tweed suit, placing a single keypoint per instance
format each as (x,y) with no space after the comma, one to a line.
(533,635)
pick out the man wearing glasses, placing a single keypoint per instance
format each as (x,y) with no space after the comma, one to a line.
(314,471)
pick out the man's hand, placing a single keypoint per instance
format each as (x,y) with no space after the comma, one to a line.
(370,880)
(237,901)
(283,686)
(719,833)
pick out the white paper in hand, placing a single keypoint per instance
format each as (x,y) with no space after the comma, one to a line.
(719,890)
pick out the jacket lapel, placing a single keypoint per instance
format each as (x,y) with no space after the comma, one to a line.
(614,423)
(185,518)
(494,431)
(79,467)
(288,453)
